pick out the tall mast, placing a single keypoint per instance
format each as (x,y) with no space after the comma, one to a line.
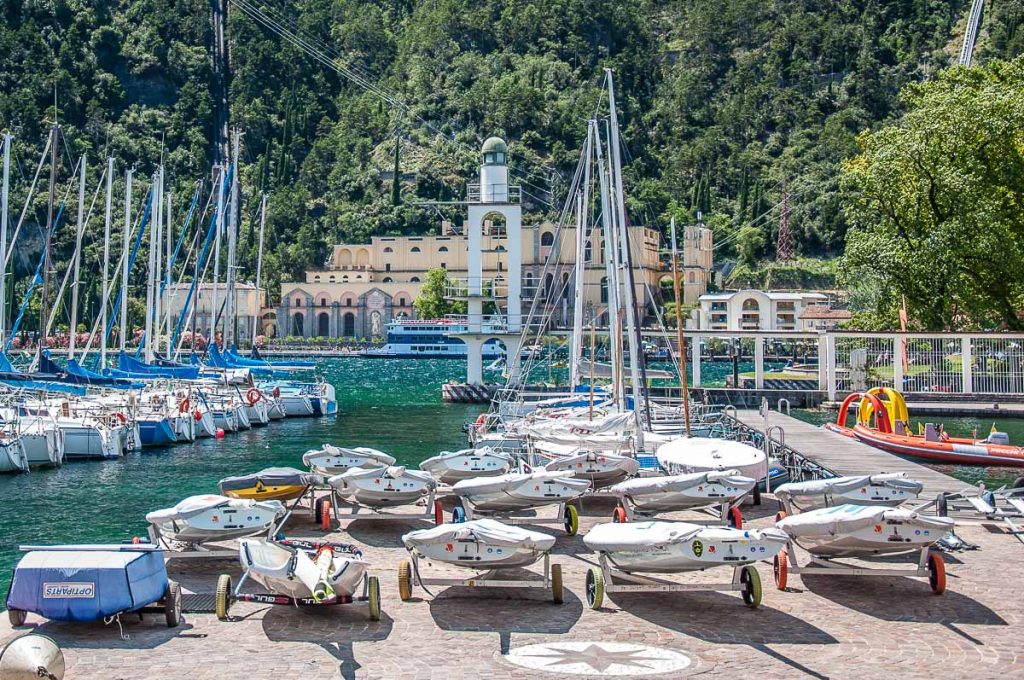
(582,210)
(48,241)
(259,268)
(3,235)
(76,278)
(168,273)
(679,330)
(106,263)
(154,249)
(216,254)
(230,322)
(127,249)
(609,251)
(615,163)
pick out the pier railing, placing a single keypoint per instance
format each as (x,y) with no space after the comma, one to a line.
(773,442)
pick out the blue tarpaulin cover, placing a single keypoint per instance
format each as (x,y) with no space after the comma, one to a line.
(87,585)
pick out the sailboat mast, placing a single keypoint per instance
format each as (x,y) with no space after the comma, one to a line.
(48,241)
(168,275)
(216,255)
(154,248)
(3,234)
(230,322)
(259,267)
(679,330)
(76,277)
(127,248)
(106,263)
(611,270)
(582,210)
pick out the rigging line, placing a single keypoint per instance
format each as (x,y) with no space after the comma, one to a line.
(307,44)
(28,201)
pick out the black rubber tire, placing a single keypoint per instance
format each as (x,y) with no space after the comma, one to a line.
(751,591)
(172,604)
(17,617)
(318,509)
(1018,483)
(757,492)
(458,515)
(941,506)
(595,588)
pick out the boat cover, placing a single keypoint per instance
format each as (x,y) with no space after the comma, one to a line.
(481,452)
(568,444)
(365,452)
(277,476)
(131,365)
(482,485)
(839,485)
(694,454)
(87,584)
(846,519)
(612,537)
(648,485)
(488,531)
(394,472)
(196,505)
(611,423)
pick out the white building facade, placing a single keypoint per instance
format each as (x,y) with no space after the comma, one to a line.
(755,310)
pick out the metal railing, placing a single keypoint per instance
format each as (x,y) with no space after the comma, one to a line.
(494,193)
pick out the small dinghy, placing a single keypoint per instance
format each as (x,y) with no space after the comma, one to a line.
(333,460)
(670,547)
(862,531)
(650,495)
(602,469)
(450,467)
(281,484)
(698,454)
(480,544)
(520,490)
(300,573)
(382,487)
(889,489)
(199,519)
(483,545)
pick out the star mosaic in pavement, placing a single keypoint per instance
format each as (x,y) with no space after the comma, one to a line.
(597,657)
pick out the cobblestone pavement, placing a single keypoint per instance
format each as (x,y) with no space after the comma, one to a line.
(840,627)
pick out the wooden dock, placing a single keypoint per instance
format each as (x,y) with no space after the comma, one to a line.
(847,456)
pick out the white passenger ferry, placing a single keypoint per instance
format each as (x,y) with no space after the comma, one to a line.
(432,339)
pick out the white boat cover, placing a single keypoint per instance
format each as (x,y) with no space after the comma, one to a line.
(393,471)
(357,452)
(840,485)
(196,505)
(279,476)
(431,462)
(697,454)
(611,423)
(648,485)
(613,537)
(846,519)
(488,531)
(566,445)
(483,485)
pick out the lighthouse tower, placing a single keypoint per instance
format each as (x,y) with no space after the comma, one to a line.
(494,228)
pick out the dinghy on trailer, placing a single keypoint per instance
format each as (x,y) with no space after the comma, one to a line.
(651,495)
(507,494)
(210,517)
(334,460)
(450,467)
(601,468)
(889,489)
(697,454)
(382,487)
(277,483)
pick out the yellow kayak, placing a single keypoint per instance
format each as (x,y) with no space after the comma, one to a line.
(271,484)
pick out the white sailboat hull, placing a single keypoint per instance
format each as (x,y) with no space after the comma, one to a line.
(602,469)
(467,465)
(274,567)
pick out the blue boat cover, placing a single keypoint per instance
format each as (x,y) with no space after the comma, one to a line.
(136,368)
(80,376)
(87,585)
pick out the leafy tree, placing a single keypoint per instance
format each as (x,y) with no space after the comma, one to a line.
(431,303)
(937,201)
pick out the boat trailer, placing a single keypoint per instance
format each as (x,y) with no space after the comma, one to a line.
(409,572)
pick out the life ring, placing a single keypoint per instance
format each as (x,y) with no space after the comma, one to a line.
(121,417)
(253,396)
(481,422)
(184,406)
(277,392)
(197,415)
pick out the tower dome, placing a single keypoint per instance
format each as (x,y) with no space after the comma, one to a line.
(494,151)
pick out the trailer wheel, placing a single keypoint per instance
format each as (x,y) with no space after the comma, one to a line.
(17,617)
(780,569)
(438,513)
(751,586)
(458,514)
(1018,483)
(757,490)
(572,520)
(222,599)
(373,586)
(936,573)
(780,515)
(405,580)
(557,593)
(172,604)
(619,515)
(595,588)
(322,512)
(941,505)
(735,518)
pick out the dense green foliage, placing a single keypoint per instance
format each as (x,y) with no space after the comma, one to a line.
(725,105)
(940,196)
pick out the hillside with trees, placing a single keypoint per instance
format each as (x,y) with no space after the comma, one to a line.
(726,106)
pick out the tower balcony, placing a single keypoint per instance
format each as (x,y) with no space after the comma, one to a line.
(494,193)
(476,289)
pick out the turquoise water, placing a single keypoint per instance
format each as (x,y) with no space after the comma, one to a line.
(957,427)
(389,404)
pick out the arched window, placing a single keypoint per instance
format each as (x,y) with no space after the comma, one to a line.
(499,248)
(443,249)
(332,279)
(414,249)
(387,279)
(401,302)
(588,252)
(317,278)
(565,285)
(348,324)
(323,302)
(389,249)
(298,302)
(348,302)
(323,325)
(547,239)
(549,285)
(297,324)
(415,279)
(344,279)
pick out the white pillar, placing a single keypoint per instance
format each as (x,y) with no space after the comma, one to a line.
(758,363)
(822,362)
(514,234)
(897,361)
(474,361)
(830,359)
(967,365)
(695,361)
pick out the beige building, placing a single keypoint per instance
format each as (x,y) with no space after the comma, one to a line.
(365,286)
(753,310)
(248,303)
(696,262)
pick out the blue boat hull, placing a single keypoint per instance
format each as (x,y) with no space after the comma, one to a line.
(156,432)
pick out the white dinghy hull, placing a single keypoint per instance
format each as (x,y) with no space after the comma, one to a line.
(382,487)
(334,460)
(519,491)
(683,492)
(450,467)
(200,519)
(299,573)
(863,531)
(699,454)
(602,469)
(889,490)
(479,544)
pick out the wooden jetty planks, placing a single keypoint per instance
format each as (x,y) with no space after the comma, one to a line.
(846,456)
